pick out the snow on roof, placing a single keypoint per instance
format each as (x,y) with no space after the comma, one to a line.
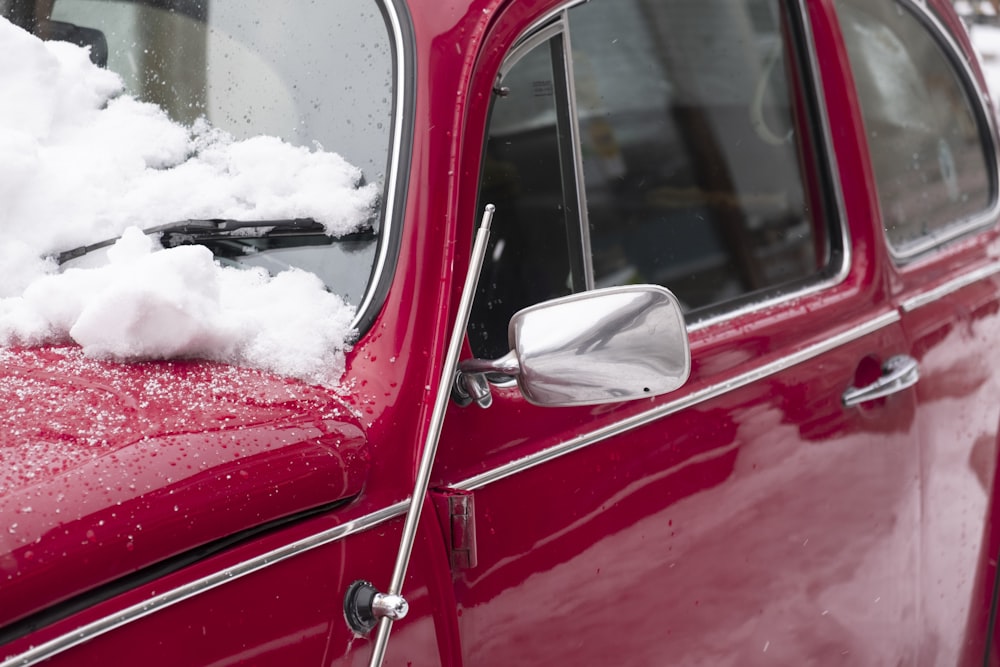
(81,161)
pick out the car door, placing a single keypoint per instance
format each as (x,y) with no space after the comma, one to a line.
(934,161)
(767,511)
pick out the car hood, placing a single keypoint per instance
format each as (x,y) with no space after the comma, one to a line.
(107,468)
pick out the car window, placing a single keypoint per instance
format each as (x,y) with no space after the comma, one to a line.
(926,140)
(687,165)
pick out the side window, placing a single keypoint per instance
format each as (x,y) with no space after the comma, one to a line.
(691,150)
(679,158)
(927,144)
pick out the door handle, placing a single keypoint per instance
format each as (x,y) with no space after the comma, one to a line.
(898,373)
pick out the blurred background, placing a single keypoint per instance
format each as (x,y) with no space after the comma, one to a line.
(983,20)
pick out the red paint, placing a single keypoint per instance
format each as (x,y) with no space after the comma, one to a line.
(765,525)
(108,468)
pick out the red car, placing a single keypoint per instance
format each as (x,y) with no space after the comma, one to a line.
(676,343)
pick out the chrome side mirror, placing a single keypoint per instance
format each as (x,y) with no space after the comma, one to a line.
(602,346)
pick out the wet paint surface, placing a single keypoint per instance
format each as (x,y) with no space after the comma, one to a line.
(111,467)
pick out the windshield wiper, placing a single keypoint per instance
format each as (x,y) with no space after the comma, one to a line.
(187,232)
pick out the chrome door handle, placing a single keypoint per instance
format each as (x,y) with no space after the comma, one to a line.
(898,373)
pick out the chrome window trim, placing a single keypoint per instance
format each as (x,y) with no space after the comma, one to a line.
(545,18)
(382,270)
(169,598)
(527,45)
(707,393)
(930,296)
(985,120)
(583,214)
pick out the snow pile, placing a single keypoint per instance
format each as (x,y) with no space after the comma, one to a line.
(81,162)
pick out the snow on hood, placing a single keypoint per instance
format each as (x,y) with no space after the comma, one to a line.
(80,161)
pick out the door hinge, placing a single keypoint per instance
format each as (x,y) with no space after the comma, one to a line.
(456,511)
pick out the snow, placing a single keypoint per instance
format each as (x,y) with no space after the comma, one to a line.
(986,40)
(967,8)
(81,161)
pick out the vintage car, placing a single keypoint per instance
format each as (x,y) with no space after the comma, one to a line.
(678,322)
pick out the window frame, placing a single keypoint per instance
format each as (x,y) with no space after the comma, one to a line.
(820,175)
(554,31)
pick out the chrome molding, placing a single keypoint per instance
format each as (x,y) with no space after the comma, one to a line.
(526,34)
(163,600)
(527,45)
(395,168)
(660,411)
(930,296)
(583,214)
(923,14)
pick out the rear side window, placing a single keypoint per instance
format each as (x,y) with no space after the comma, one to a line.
(927,141)
(681,156)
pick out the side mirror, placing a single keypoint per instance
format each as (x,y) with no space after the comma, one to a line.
(602,346)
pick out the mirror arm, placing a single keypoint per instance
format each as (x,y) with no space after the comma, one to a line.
(506,365)
(471,387)
(472,381)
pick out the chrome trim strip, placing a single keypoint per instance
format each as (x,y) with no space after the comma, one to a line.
(163,600)
(583,214)
(545,19)
(700,396)
(527,45)
(953,53)
(932,295)
(392,182)
(812,83)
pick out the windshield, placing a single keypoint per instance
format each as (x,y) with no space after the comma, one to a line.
(317,75)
